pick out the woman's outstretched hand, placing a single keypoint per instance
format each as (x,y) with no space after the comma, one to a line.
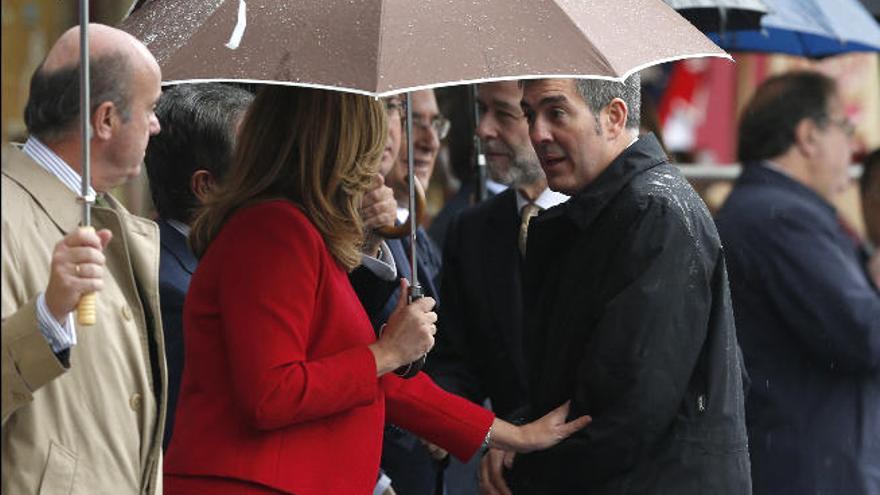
(507,439)
(537,435)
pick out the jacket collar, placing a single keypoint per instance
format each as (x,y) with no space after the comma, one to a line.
(59,202)
(759,173)
(585,206)
(176,244)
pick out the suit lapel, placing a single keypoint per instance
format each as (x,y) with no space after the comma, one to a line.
(429,265)
(176,244)
(398,252)
(501,260)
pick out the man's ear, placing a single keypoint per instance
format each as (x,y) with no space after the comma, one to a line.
(103,121)
(615,122)
(201,183)
(805,136)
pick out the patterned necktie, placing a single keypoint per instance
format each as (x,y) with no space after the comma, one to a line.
(528,212)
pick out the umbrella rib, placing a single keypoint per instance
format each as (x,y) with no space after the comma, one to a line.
(380,39)
(589,40)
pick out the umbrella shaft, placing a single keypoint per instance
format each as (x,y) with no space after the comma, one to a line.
(478,148)
(85,109)
(413,221)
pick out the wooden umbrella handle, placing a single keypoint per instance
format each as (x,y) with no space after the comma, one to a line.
(87,307)
(402,230)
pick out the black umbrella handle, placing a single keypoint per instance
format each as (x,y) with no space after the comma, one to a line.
(410,370)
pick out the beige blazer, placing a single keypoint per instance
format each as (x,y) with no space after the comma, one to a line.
(96,427)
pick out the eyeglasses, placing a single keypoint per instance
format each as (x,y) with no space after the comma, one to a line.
(844,124)
(438,124)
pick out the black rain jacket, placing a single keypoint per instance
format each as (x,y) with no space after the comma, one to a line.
(628,314)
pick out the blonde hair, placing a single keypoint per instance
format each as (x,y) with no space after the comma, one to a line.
(319,149)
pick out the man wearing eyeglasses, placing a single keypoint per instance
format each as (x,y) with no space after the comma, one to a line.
(429,128)
(807,317)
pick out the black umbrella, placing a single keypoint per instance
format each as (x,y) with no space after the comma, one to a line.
(873,7)
(711,16)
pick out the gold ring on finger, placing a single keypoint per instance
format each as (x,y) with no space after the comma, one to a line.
(76,268)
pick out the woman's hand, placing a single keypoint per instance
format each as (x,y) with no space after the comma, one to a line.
(378,210)
(537,435)
(492,467)
(408,334)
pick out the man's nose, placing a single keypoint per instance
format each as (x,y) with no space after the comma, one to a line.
(427,138)
(539,132)
(486,129)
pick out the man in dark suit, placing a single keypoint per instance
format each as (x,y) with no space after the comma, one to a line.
(478,353)
(806,314)
(183,164)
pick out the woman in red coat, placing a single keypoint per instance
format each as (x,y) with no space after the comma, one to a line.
(285,386)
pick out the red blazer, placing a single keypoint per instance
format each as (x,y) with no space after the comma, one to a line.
(279,387)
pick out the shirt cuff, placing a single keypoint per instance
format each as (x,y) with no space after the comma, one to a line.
(60,337)
(382,485)
(383,266)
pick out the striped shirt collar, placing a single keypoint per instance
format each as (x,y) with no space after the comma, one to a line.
(53,164)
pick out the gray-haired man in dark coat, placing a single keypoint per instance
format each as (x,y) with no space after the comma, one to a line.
(628,312)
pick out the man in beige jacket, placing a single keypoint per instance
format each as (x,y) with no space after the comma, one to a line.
(82,407)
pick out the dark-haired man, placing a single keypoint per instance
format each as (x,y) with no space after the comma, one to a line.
(807,316)
(628,312)
(184,163)
(83,407)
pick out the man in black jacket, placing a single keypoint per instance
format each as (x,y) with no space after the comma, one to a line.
(628,313)
(806,313)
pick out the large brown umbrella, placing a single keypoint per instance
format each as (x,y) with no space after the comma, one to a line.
(381,47)
(385,47)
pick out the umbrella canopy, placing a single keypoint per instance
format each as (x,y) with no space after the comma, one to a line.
(385,47)
(382,47)
(809,28)
(721,15)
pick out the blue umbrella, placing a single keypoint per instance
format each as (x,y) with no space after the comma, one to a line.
(808,28)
